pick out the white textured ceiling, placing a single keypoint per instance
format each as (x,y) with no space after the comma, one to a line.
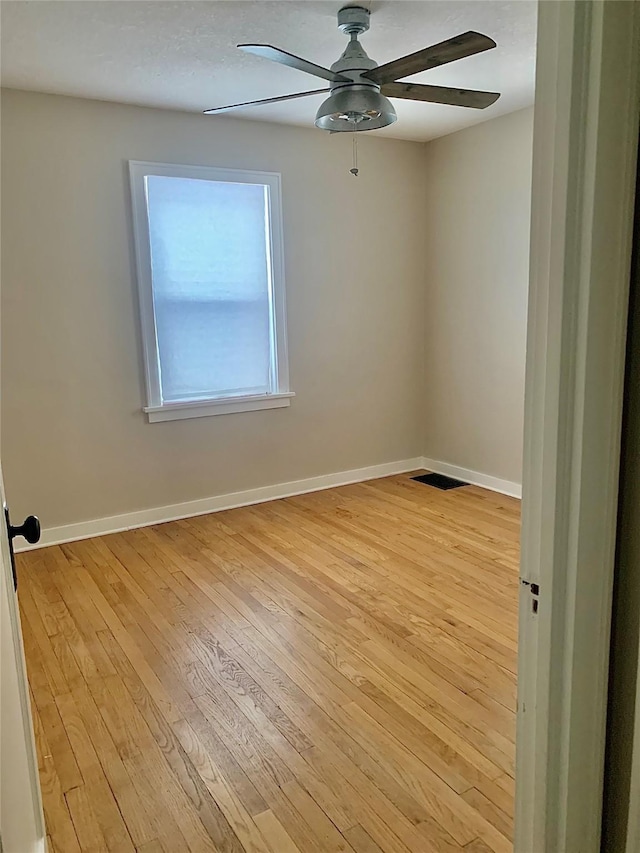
(182,55)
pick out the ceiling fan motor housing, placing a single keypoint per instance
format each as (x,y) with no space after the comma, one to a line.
(353,19)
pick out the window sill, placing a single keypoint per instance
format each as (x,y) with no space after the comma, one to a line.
(227,406)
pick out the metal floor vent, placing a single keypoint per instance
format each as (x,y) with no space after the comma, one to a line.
(439,481)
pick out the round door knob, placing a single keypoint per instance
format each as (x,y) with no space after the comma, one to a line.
(29,529)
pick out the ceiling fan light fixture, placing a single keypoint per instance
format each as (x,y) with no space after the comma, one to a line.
(355,108)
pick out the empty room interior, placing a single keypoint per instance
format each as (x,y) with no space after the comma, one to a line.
(263,386)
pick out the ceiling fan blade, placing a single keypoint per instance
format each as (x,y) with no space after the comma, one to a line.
(276,55)
(440,95)
(264,101)
(458,47)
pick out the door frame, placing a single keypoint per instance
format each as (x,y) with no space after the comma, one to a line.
(584,163)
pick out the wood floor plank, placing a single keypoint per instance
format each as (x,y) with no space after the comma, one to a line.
(250,743)
(327,835)
(60,747)
(88,830)
(432,786)
(96,787)
(329,672)
(323,728)
(361,841)
(478,846)
(221,789)
(57,817)
(277,756)
(463,712)
(137,819)
(492,813)
(500,792)
(391,820)
(232,771)
(275,834)
(425,786)
(33,625)
(190,782)
(153,846)
(161,809)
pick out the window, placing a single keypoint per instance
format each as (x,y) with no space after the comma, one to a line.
(210,276)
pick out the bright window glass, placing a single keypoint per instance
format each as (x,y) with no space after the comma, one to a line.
(211,274)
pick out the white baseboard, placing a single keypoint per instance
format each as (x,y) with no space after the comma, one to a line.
(494,484)
(158,515)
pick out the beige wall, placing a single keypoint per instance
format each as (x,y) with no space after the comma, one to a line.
(477,259)
(406,294)
(75,444)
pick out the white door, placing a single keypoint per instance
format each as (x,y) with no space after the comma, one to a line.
(21,821)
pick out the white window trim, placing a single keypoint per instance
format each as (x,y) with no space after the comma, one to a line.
(156,409)
(220,406)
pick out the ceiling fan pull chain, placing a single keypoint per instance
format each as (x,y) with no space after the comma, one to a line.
(354,170)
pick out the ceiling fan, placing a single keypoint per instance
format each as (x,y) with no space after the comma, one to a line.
(360,88)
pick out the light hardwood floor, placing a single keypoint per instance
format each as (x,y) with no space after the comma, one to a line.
(332,672)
